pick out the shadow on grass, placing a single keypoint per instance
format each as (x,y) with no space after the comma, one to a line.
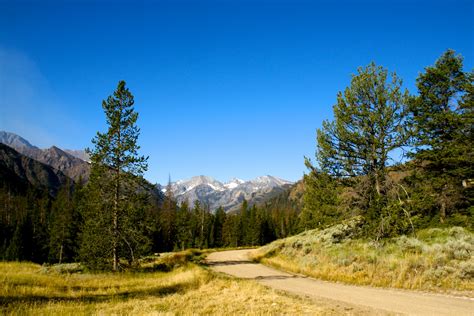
(7,301)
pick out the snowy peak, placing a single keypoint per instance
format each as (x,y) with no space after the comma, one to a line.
(228,195)
(233,183)
(183,186)
(270,180)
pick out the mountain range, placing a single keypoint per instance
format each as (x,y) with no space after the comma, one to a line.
(68,163)
(229,195)
(38,166)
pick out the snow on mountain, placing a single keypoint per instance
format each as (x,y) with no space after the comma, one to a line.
(183,186)
(229,195)
(232,184)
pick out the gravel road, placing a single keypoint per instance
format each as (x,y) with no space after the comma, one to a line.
(376,300)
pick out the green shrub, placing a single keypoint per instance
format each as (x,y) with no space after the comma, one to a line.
(466,270)
(63,268)
(409,244)
(459,249)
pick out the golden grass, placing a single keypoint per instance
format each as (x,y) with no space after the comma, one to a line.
(439,260)
(190,289)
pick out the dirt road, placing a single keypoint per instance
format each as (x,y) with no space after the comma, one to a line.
(236,263)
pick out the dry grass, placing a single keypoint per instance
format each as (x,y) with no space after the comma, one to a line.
(438,260)
(28,288)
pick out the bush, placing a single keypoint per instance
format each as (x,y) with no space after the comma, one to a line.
(459,249)
(338,233)
(169,261)
(408,244)
(63,268)
(466,270)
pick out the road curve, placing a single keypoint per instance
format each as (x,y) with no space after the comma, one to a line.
(237,263)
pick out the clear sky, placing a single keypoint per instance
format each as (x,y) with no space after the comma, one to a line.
(223,88)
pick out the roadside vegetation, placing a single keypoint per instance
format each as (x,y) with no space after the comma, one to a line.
(186,288)
(434,259)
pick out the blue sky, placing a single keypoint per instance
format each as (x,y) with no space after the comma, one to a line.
(223,88)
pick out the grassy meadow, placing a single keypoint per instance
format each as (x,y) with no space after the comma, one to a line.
(439,260)
(185,288)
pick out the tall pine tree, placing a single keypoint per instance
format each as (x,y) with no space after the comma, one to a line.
(369,124)
(114,227)
(442,116)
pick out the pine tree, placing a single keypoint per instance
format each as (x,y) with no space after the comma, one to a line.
(184,227)
(219,220)
(322,205)
(21,245)
(114,225)
(39,211)
(244,224)
(168,219)
(231,231)
(442,116)
(201,224)
(369,124)
(61,228)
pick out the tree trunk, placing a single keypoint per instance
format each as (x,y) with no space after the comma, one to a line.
(202,230)
(116,201)
(115,229)
(377,184)
(442,210)
(61,254)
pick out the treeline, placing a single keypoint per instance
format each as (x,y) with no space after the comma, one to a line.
(181,226)
(38,227)
(401,161)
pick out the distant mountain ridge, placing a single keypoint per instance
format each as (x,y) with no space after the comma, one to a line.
(229,195)
(207,190)
(15,141)
(75,168)
(19,172)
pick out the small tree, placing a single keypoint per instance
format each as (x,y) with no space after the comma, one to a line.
(114,225)
(63,226)
(369,124)
(184,227)
(322,206)
(218,224)
(168,219)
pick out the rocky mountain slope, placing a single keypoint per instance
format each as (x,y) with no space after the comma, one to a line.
(229,195)
(19,172)
(58,161)
(55,157)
